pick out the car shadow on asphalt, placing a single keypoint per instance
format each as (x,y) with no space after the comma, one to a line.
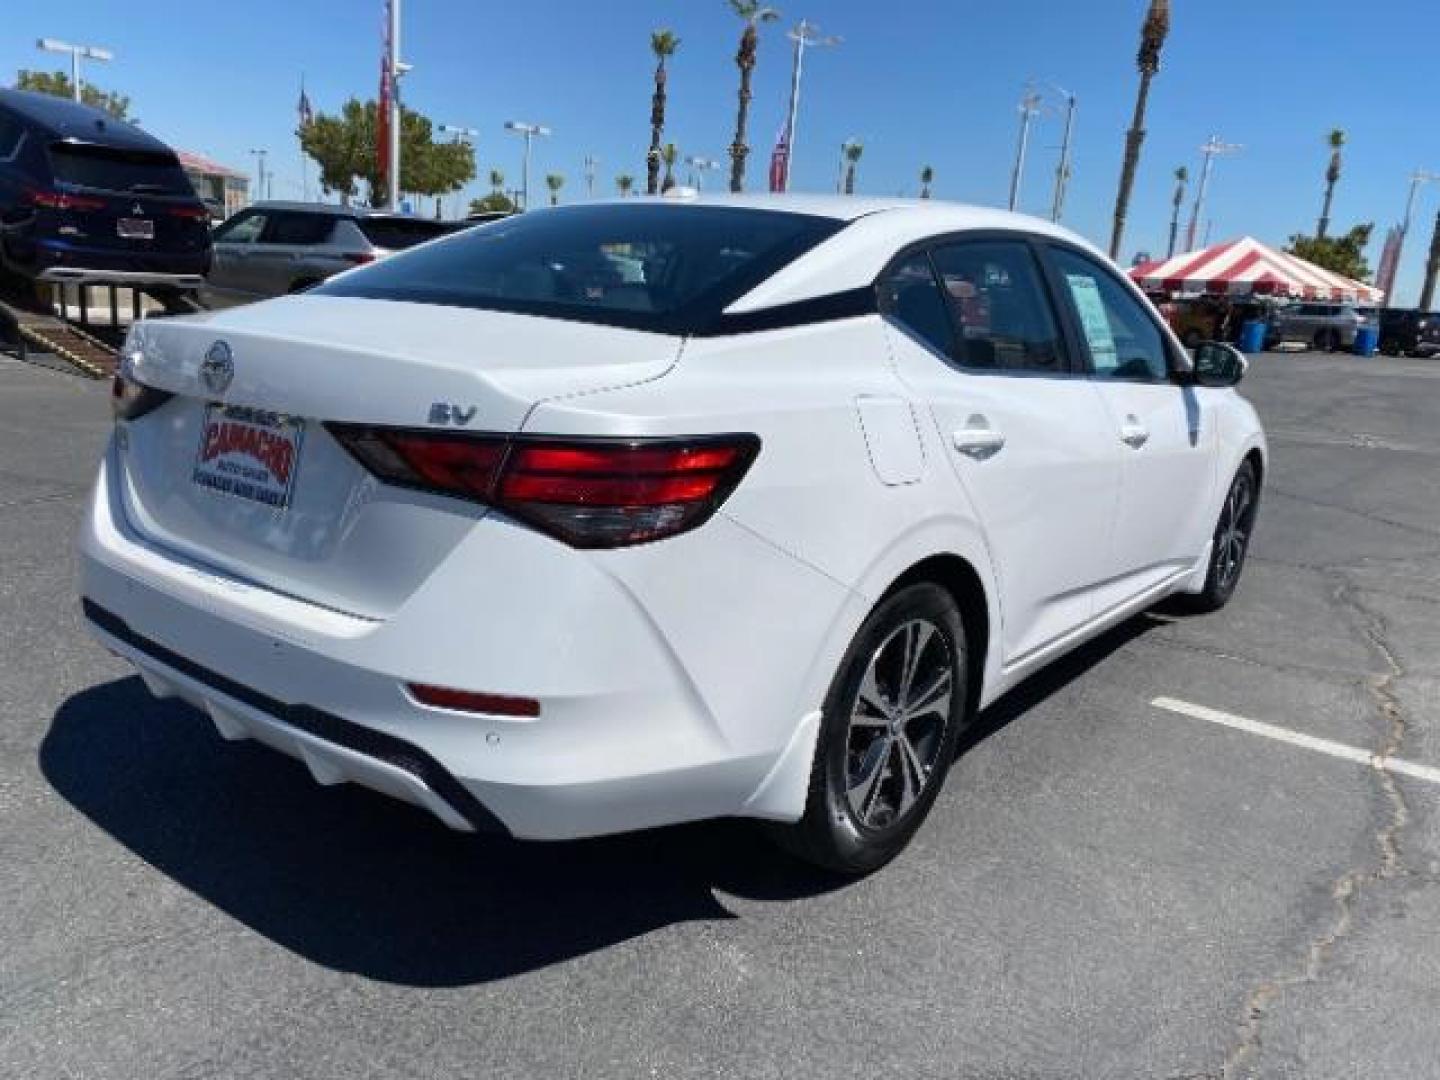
(358,882)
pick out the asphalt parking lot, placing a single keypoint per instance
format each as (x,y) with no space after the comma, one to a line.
(1108,887)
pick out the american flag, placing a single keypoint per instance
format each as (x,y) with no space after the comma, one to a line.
(780,161)
(307,114)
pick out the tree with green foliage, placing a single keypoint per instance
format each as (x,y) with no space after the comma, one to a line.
(1336,141)
(663,44)
(1152,39)
(752,13)
(554,181)
(1344,254)
(344,148)
(58,84)
(669,156)
(853,150)
(495,201)
(624,183)
(927,177)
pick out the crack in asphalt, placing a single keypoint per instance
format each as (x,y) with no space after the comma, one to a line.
(1270,489)
(1347,890)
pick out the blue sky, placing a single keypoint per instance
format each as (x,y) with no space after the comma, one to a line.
(918,81)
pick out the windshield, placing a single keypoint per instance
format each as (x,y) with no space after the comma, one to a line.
(649,266)
(148,172)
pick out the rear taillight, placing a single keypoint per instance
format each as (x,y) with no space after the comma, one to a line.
(591,493)
(194,213)
(360,258)
(59,200)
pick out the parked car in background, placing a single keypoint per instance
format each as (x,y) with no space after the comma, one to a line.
(750,525)
(88,199)
(1409,332)
(1319,325)
(274,248)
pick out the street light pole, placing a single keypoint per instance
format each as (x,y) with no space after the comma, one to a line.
(805,35)
(1420,176)
(1029,107)
(260,174)
(1062,171)
(1211,150)
(590,162)
(698,167)
(90,52)
(529,131)
(462,135)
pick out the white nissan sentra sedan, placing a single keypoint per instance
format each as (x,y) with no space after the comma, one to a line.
(617,515)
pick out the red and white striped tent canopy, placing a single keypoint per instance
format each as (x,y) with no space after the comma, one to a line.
(1246,267)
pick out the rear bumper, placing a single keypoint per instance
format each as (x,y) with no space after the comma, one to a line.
(74,275)
(625,739)
(61,261)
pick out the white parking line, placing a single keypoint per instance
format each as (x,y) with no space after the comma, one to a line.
(1300,739)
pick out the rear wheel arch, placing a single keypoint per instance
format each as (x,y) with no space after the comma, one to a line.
(962,581)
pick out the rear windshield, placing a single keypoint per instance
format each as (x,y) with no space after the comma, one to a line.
(141,172)
(651,266)
(399,233)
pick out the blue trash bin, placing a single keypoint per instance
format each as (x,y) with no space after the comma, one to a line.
(1367,340)
(1252,336)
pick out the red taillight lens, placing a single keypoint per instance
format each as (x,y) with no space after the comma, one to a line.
(59,200)
(590,493)
(360,258)
(194,213)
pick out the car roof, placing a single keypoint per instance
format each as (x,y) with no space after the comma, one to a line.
(334,210)
(61,118)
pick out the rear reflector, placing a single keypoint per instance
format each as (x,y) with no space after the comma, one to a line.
(468,701)
(587,493)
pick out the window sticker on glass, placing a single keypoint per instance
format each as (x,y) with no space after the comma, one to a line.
(1086,294)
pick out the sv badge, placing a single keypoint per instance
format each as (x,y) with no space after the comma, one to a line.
(442,412)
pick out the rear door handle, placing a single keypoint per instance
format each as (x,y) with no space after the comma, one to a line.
(978,440)
(1133,433)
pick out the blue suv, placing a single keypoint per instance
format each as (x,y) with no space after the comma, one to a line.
(88,199)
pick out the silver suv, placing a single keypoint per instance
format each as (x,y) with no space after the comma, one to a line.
(1322,326)
(273,248)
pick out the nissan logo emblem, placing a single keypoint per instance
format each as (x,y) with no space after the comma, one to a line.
(218,368)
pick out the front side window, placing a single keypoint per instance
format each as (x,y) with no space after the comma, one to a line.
(1124,341)
(1001,307)
(667,268)
(910,295)
(244,229)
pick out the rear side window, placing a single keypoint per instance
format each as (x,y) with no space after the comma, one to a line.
(663,267)
(138,172)
(911,296)
(299,229)
(1001,307)
(399,233)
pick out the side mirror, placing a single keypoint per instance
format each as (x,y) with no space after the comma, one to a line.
(1218,364)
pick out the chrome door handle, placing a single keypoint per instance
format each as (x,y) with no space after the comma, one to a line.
(1134,434)
(979,443)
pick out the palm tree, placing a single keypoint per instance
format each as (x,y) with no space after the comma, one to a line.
(669,155)
(663,44)
(554,181)
(1182,177)
(623,183)
(853,150)
(1152,40)
(1336,140)
(753,14)
(497,182)
(927,177)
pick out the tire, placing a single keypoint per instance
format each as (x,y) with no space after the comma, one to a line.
(1229,545)
(1332,341)
(864,802)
